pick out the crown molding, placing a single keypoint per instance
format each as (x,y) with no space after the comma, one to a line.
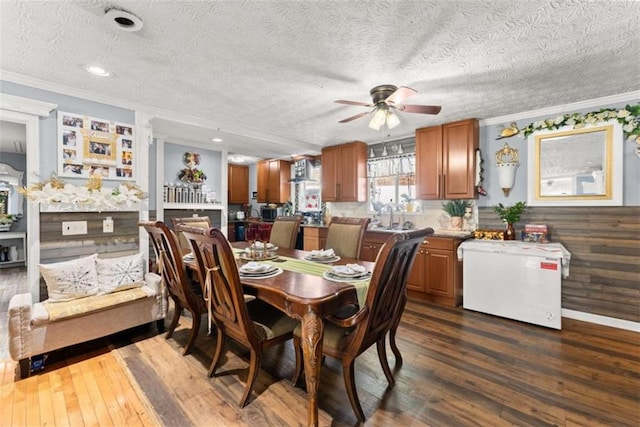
(562,109)
(26,105)
(152,111)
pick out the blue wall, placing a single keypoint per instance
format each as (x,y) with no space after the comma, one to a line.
(210,164)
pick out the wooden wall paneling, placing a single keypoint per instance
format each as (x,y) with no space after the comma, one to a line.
(604,274)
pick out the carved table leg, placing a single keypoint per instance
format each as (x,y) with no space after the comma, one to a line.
(312,334)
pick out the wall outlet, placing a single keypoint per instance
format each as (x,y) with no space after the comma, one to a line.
(107,225)
(73,228)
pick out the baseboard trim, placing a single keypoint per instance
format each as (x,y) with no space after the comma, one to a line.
(601,320)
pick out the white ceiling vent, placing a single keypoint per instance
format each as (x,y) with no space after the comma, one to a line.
(123,19)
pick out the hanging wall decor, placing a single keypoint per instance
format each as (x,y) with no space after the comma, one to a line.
(88,145)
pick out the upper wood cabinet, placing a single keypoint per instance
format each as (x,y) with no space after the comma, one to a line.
(273,181)
(238,185)
(344,173)
(446,160)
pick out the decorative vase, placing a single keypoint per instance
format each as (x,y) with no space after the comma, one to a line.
(5,227)
(13,253)
(456,223)
(509,232)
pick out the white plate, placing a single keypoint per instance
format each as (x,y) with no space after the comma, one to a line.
(263,275)
(270,247)
(327,275)
(264,268)
(322,260)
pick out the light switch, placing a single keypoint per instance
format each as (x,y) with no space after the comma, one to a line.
(107,225)
(73,228)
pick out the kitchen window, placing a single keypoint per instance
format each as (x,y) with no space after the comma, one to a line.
(392,183)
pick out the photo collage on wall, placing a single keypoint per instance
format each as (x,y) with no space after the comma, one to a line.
(88,145)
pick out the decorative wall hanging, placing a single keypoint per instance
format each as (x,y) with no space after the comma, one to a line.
(93,196)
(627,117)
(509,131)
(88,145)
(191,173)
(507,167)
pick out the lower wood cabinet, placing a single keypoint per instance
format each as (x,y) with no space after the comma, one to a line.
(437,274)
(314,238)
(371,244)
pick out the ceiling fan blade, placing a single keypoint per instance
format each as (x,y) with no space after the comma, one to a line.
(400,95)
(357,116)
(363,104)
(421,109)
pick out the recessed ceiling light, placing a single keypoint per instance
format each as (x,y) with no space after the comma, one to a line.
(97,71)
(216,139)
(123,19)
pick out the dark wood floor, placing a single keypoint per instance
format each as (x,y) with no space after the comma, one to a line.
(460,368)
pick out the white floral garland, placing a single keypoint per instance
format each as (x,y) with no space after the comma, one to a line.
(91,197)
(627,117)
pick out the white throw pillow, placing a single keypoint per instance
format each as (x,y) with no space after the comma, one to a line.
(71,279)
(118,274)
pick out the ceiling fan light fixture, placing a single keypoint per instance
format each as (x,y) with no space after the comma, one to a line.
(392,120)
(379,118)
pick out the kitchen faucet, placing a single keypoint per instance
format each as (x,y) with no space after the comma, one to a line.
(390,207)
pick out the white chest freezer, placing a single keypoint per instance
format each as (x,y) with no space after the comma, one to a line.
(513,279)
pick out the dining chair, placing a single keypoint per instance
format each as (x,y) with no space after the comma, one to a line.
(345,339)
(257,328)
(284,231)
(192,221)
(185,293)
(345,236)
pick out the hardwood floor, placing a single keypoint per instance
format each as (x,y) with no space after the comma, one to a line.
(460,368)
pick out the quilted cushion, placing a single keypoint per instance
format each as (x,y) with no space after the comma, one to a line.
(69,280)
(118,274)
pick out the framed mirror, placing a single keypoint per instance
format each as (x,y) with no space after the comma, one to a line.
(10,182)
(576,167)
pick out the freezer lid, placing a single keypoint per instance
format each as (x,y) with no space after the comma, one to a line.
(515,247)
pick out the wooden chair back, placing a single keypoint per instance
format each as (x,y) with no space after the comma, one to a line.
(284,231)
(257,329)
(185,293)
(191,221)
(347,338)
(345,236)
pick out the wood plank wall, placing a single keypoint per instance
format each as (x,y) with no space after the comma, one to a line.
(54,247)
(604,275)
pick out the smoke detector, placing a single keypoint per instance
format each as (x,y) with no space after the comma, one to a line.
(122,19)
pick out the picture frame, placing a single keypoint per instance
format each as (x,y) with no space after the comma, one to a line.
(89,145)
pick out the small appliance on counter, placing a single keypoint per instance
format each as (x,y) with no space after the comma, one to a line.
(240,215)
(268,213)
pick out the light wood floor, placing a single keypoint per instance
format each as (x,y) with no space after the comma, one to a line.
(461,368)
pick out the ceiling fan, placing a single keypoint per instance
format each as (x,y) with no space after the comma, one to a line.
(387,98)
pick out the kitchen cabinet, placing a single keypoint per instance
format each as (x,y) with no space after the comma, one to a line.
(238,184)
(314,238)
(372,243)
(436,275)
(273,181)
(344,173)
(446,160)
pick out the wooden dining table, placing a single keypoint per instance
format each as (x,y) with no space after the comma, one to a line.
(308,297)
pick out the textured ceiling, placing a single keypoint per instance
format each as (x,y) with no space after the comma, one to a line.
(264,74)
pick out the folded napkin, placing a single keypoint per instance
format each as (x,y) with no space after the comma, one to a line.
(255,267)
(189,256)
(348,270)
(327,253)
(260,245)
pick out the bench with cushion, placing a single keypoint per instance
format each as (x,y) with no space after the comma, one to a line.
(89,298)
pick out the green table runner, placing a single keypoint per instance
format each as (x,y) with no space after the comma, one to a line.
(316,269)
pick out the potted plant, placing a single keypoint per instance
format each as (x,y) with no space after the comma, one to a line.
(6,220)
(408,202)
(510,215)
(456,210)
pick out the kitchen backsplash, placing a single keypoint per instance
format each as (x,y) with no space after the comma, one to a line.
(430,215)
